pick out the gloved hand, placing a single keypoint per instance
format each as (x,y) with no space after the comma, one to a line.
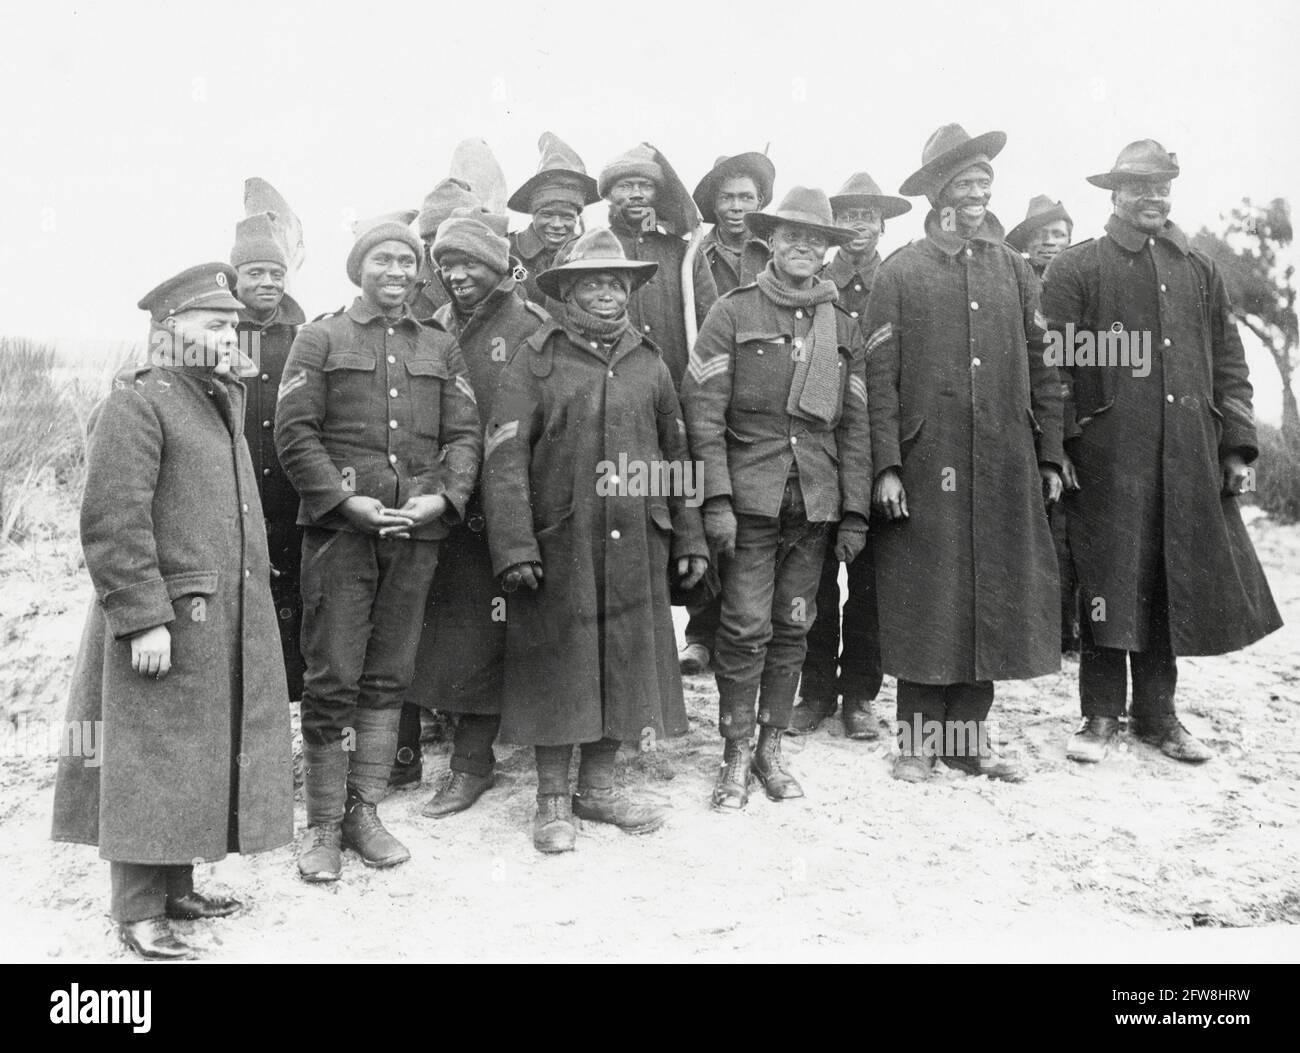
(850,538)
(528,574)
(690,569)
(720,525)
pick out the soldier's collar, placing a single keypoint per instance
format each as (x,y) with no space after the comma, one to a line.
(841,272)
(529,243)
(363,314)
(952,243)
(287,312)
(1127,236)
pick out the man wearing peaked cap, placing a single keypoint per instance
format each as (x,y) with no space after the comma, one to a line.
(954,355)
(554,196)
(1043,233)
(269,319)
(378,431)
(459,665)
(776,409)
(1162,437)
(732,188)
(854,672)
(449,195)
(649,211)
(182,625)
(590,654)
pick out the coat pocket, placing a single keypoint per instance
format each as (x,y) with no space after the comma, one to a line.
(1083,422)
(190,583)
(426,376)
(661,517)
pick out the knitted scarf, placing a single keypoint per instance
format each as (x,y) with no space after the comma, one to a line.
(606,330)
(815,389)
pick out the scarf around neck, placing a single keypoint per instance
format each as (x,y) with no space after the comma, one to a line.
(815,389)
(606,330)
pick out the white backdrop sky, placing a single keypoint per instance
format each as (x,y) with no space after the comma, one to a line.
(128,129)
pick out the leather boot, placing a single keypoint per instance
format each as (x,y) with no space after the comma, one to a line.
(769,766)
(458,793)
(731,790)
(408,763)
(154,938)
(553,829)
(600,801)
(860,722)
(1171,738)
(1090,744)
(371,764)
(808,715)
(325,788)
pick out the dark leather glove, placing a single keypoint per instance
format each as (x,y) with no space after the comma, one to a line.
(527,574)
(720,525)
(850,538)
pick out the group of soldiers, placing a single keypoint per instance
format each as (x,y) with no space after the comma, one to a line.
(422,492)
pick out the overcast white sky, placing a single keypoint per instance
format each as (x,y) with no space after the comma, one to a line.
(128,129)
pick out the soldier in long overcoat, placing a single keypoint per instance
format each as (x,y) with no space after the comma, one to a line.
(1162,439)
(459,665)
(179,679)
(966,435)
(589,508)
(268,322)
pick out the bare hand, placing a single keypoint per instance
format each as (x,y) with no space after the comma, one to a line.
(151,652)
(1052,485)
(419,510)
(370,516)
(526,574)
(888,497)
(1236,475)
(690,569)
(1069,477)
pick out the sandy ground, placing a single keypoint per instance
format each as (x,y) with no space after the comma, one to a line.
(1138,857)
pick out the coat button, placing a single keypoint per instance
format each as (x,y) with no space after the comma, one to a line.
(390,331)
(646,328)
(759,351)
(391,359)
(392,424)
(245,508)
(392,393)
(853,314)
(392,458)
(1166,341)
(794,440)
(248,573)
(798,343)
(1151,241)
(615,534)
(857,288)
(611,374)
(974,305)
(798,314)
(970,252)
(1164,287)
(594,345)
(266,377)
(266,424)
(974,361)
(614,479)
(266,471)
(1169,398)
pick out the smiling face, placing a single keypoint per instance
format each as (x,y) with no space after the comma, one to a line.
(868,223)
(387,274)
(631,199)
(602,293)
(1143,203)
(1046,243)
(967,194)
(259,286)
(735,198)
(555,223)
(469,279)
(797,252)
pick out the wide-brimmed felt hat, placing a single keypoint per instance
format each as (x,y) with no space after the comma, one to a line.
(1042,211)
(596,250)
(561,168)
(1143,159)
(944,154)
(861,191)
(804,207)
(757,166)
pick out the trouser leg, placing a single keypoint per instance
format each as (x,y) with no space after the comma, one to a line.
(596,764)
(819,676)
(745,625)
(140,890)
(472,747)
(921,712)
(1103,676)
(861,673)
(553,769)
(967,710)
(702,625)
(1155,670)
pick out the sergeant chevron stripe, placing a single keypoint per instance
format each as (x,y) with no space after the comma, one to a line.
(503,434)
(462,385)
(291,384)
(880,336)
(701,371)
(858,388)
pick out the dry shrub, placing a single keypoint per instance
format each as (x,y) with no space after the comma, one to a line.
(1277,478)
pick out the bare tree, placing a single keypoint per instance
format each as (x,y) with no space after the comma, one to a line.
(1261,282)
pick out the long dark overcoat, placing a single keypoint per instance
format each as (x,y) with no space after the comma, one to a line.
(592,652)
(461,658)
(1147,448)
(964,407)
(196,763)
